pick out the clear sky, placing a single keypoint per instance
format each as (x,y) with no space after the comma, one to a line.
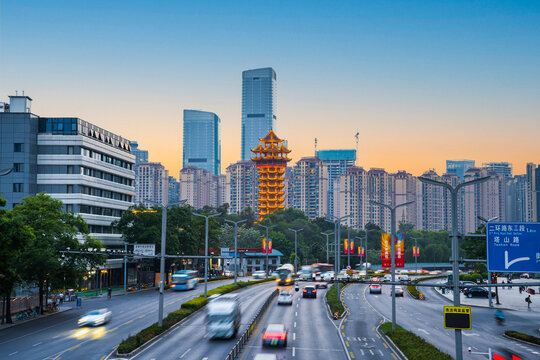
(421,81)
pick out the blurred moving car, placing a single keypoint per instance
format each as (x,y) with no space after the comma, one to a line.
(259,274)
(375,279)
(223,316)
(375,289)
(387,277)
(477,292)
(309,291)
(275,335)
(403,277)
(525,276)
(95,318)
(379,272)
(285,298)
(321,284)
(228,273)
(399,291)
(327,276)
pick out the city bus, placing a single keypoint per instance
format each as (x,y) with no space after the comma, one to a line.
(184,280)
(319,269)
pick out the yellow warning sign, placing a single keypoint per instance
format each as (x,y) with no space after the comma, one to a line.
(457,317)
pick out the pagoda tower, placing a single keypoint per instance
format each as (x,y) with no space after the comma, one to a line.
(271,161)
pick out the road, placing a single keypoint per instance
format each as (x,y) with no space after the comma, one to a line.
(58,335)
(189,340)
(311,333)
(424,318)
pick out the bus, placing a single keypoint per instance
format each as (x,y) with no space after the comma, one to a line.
(319,269)
(285,273)
(184,280)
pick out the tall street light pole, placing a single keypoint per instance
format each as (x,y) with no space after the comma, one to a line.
(296,231)
(5,172)
(415,257)
(235,244)
(392,251)
(490,300)
(206,217)
(349,246)
(327,235)
(455,245)
(267,228)
(337,231)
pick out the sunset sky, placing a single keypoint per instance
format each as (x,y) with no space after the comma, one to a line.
(421,81)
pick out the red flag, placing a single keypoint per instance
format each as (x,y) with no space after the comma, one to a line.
(346,246)
(400,247)
(264,246)
(269,246)
(363,252)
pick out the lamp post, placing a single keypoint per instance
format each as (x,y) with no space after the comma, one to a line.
(337,234)
(125,265)
(5,172)
(327,235)
(392,251)
(296,231)
(490,299)
(366,250)
(415,257)
(206,217)
(455,245)
(267,228)
(235,244)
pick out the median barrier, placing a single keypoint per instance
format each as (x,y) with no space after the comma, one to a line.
(235,351)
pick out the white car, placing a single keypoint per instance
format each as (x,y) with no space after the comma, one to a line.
(95,318)
(328,276)
(387,277)
(403,277)
(285,298)
(260,274)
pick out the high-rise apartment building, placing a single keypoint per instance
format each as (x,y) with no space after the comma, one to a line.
(452,180)
(310,176)
(337,162)
(151,184)
(174,190)
(86,167)
(379,188)
(350,197)
(140,155)
(531,178)
(201,188)
(241,185)
(202,141)
(258,108)
(430,204)
(458,167)
(501,168)
(404,190)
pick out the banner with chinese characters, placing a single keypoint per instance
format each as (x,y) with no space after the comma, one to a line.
(363,252)
(351,247)
(346,246)
(269,246)
(264,246)
(414,251)
(359,251)
(400,251)
(417,252)
(385,250)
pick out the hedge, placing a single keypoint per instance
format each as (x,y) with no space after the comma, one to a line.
(333,300)
(522,336)
(413,346)
(186,309)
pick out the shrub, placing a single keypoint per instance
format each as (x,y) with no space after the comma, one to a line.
(334,302)
(194,304)
(413,291)
(413,346)
(522,336)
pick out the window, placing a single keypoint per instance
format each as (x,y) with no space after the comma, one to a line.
(18,187)
(18,147)
(70,189)
(69,207)
(71,150)
(18,167)
(70,169)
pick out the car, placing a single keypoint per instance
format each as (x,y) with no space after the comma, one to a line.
(525,276)
(275,335)
(328,276)
(375,289)
(309,291)
(321,284)
(228,273)
(477,292)
(375,279)
(387,277)
(399,291)
(95,317)
(469,284)
(403,277)
(434,272)
(285,298)
(379,272)
(259,274)
(274,274)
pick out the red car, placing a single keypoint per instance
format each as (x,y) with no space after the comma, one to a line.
(275,335)
(375,288)
(399,291)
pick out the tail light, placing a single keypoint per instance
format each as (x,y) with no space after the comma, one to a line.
(314,290)
(283,336)
(305,290)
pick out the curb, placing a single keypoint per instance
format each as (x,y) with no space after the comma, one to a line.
(390,343)
(5,327)
(521,341)
(476,306)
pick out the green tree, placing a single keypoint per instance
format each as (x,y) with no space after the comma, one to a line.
(55,230)
(405,227)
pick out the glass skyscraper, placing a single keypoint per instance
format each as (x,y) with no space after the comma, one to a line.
(202,141)
(258,107)
(459,167)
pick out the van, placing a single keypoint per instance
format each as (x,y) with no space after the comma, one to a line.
(223,316)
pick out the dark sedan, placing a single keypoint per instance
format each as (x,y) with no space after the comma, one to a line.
(309,291)
(477,292)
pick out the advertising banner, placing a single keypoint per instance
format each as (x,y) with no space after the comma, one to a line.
(417,252)
(414,251)
(346,246)
(359,251)
(351,247)
(363,252)
(385,250)
(400,251)
(144,249)
(264,246)
(269,246)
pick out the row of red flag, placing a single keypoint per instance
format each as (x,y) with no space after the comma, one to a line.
(265,247)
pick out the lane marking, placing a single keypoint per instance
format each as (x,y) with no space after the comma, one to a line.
(343,334)
(394,356)
(295,324)
(116,328)
(37,344)
(140,317)
(371,351)
(185,353)
(378,336)
(347,343)
(425,332)
(296,313)
(103,357)
(362,351)
(386,346)
(73,348)
(129,322)
(13,353)
(352,354)
(294,336)
(293,351)
(381,353)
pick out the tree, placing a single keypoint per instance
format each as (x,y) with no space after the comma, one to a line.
(405,227)
(55,230)
(15,236)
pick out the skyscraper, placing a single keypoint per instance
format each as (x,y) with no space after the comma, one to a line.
(258,107)
(151,184)
(140,155)
(202,141)
(459,167)
(241,186)
(310,189)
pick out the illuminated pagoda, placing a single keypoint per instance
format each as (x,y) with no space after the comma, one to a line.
(271,161)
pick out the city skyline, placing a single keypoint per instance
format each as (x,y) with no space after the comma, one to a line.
(465,89)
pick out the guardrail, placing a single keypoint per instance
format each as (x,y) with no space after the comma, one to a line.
(245,336)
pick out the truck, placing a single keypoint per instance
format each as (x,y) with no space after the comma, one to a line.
(305,273)
(223,316)
(285,273)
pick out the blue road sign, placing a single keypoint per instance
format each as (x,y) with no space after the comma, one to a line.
(513,247)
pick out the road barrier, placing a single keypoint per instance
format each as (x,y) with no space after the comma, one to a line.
(245,336)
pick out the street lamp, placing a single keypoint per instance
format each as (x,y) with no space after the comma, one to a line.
(337,235)
(327,235)
(206,217)
(414,254)
(392,251)
(267,228)
(5,172)
(455,245)
(163,249)
(235,243)
(366,250)
(296,231)
(490,298)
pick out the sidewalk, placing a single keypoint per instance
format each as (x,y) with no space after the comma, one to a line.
(16,322)
(510,299)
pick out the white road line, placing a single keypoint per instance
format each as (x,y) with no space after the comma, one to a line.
(297,305)
(36,344)
(424,331)
(295,324)
(294,336)
(381,352)
(362,351)
(296,313)
(466,334)
(371,351)
(293,351)
(13,353)
(185,353)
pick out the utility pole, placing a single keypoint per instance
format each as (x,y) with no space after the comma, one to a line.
(235,244)
(327,235)
(490,300)
(392,251)
(267,228)
(455,246)
(337,232)
(415,257)
(296,231)
(206,217)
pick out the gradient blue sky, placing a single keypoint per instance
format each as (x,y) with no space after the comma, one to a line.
(422,81)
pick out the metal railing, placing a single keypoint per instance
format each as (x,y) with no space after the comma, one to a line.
(237,349)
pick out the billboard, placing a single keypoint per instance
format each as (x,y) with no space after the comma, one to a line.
(385,251)
(144,249)
(513,247)
(400,251)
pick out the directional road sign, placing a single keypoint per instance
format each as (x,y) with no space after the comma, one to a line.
(513,247)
